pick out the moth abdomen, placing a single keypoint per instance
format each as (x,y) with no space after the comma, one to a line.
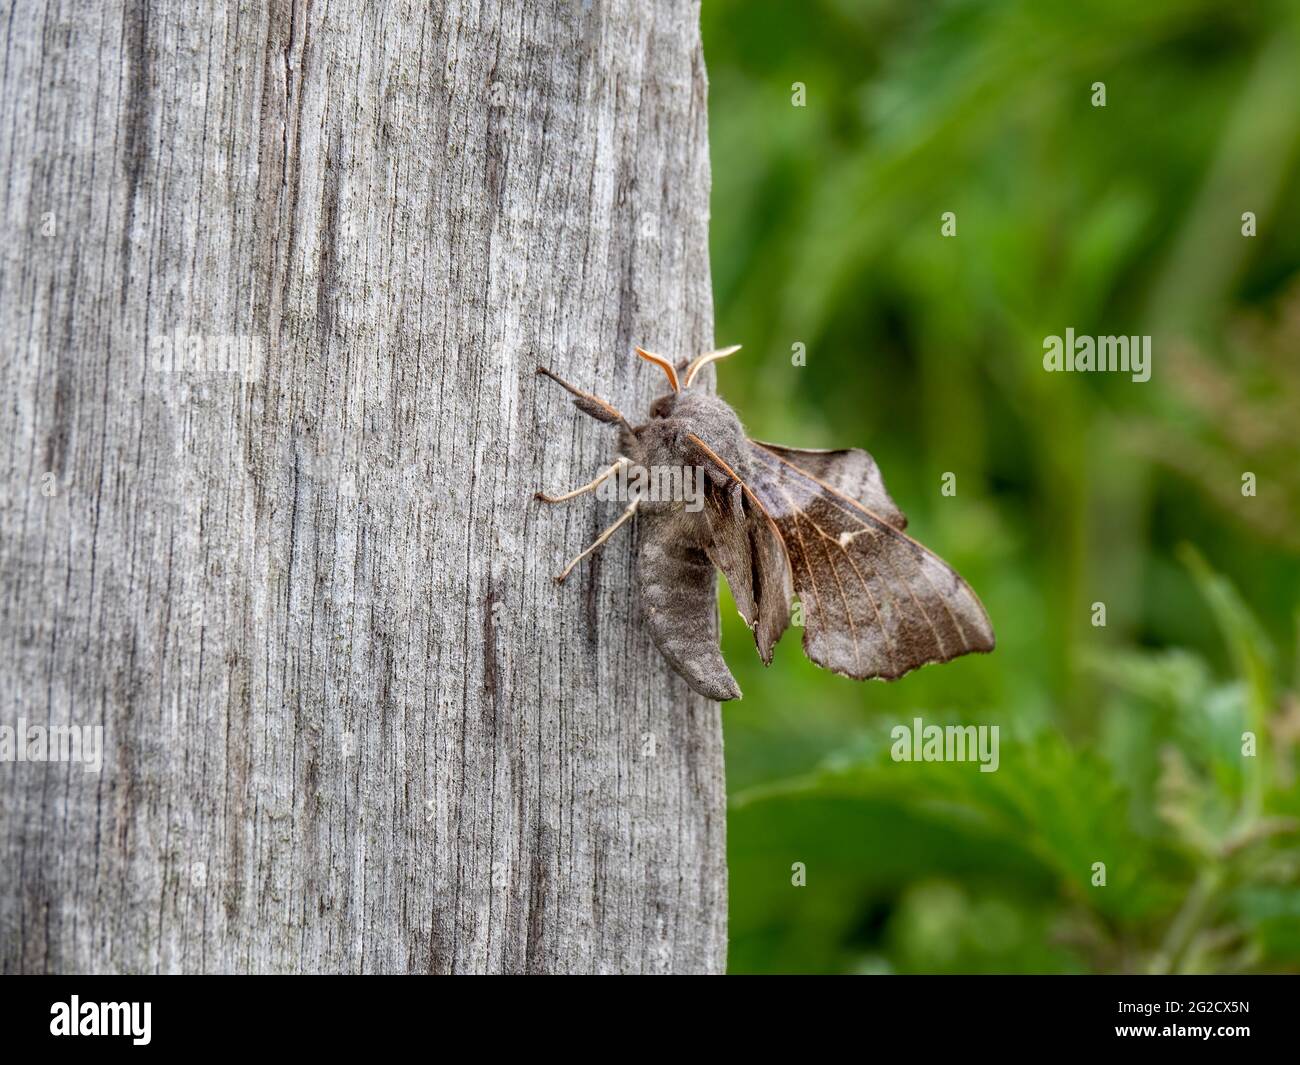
(678,605)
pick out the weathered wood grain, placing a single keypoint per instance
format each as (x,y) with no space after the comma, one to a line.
(350,723)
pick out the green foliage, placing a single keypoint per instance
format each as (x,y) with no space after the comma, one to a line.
(1121,744)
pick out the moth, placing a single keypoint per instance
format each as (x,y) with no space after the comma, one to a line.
(777,522)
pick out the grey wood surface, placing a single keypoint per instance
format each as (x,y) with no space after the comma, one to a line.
(274,281)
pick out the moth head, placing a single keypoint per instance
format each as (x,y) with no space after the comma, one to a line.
(663,406)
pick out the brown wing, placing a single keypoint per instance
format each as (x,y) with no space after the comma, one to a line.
(745,544)
(850,471)
(875,602)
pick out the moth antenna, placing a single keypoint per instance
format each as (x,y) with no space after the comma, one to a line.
(705,359)
(663,364)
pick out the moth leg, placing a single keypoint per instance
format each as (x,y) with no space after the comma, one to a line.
(586,487)
(622,519)
(587,403)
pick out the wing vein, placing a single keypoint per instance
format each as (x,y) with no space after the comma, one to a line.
(838,500)
(848,611)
